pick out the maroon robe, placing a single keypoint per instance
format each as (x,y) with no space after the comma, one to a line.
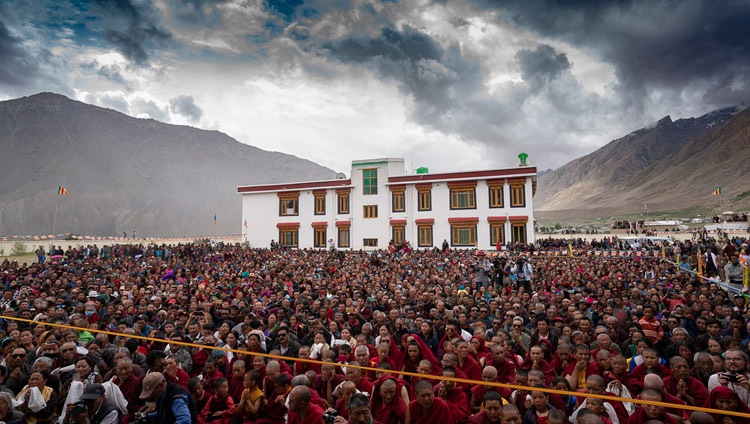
(395,413)
(506,371)
(639,372)
(458,403)
(481,418)
(696,389)
(273,412)
(479,391)
(640,417)
(131,390)
(544,366)
(633,385)
(314,416)
(439,413)
(208,381)
(471,368)
(199,361)
(236,387)
(215,404)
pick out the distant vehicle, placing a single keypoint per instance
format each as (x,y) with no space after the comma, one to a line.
(637,242)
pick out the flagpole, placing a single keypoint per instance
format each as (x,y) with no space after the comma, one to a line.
(54,220)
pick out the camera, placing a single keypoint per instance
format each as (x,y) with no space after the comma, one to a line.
(732,377)
(141,418)
(79,408)
(330,417)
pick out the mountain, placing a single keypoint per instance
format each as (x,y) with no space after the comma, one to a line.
(125,174)
(670,165)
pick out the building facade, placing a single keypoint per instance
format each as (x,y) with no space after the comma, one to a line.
(380,203)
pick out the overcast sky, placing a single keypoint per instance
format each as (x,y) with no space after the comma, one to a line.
(450,85)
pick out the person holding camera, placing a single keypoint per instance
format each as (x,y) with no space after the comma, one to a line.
(482,270)
(523,273)
(92,408)
(735,377)
(301,411)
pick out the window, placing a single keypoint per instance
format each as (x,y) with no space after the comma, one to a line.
(370,242)
(519,232)
(497,233)
(288,237)
(398,201)
(496,195)
(371,211)
(517,195)
(425,235)
(344,236)
(343,201)
(370,181)
(464,234)
(398,233)
(320,204)
(425,199)
(288,204)
(463,195)
(320,237)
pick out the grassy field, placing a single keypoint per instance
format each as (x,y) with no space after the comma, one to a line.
(25,258)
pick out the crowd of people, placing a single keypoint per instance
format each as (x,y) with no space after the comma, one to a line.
(627,326)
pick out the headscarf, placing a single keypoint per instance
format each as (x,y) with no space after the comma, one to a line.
(721,392)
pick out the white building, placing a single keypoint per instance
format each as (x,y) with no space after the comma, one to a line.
(380,203)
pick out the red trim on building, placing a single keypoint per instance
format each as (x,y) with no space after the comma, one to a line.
(294,186)
(466,219)
(398,221)
(343,223)
(423,186)
(519,218)
(517,180)
(496,218)
(425,221)
(319,192)
(456,175)
(399,187)
(287,224)
(320,224)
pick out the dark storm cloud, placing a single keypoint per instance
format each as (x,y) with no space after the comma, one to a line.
(436,78)
(195,14)
(17,66)
(185,106)
(652,45)
(133,28)
(542,65)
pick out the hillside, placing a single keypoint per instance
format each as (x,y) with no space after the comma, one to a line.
(124,173)
(672,165)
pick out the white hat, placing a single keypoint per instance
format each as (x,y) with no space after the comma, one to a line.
(93,294)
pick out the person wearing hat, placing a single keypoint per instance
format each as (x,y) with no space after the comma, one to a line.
(92,407)
(174,405)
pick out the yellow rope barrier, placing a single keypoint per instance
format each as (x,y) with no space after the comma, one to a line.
(411,374)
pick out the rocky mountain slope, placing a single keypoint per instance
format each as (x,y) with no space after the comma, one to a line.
(123,173)
(671,165)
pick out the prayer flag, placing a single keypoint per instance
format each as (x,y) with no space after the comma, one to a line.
(716,192)
(214,218)
(645,206)
(61,190)
(246,223)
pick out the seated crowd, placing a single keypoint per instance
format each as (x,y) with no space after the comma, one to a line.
(630,327)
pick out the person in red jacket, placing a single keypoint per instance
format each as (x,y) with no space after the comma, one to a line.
(427,409)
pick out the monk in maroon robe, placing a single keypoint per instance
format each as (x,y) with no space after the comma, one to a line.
(387,406)
(428,409)
(682,385)
(454,396)
(274,409)
(647,413)
(466,363)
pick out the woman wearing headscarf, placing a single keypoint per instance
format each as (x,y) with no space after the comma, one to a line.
(46,414)
(726,399)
